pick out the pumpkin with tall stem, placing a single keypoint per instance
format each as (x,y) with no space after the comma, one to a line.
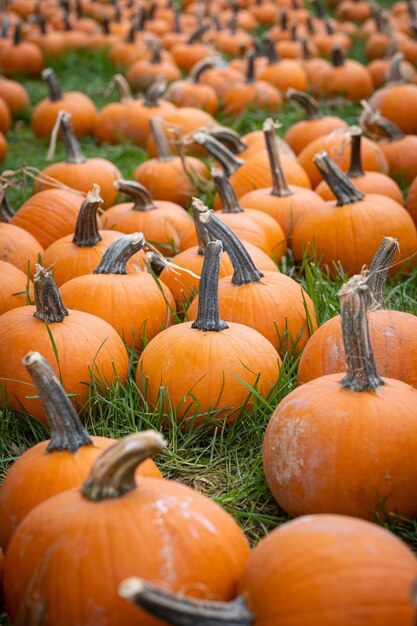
(158,529)
(222,359)
(65,459)
(309,444)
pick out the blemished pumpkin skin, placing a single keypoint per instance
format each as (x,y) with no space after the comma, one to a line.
(49,215)
(19,247)
(78,172)
(85,345)
(14,287)
(309,571)
(146,304)
(273,304)
(327,232)
(219,357)
(60,463)
(300,134)
(14,94)
(163,223)
(309,444)
(160,529)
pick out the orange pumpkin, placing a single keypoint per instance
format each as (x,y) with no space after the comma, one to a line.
(21,57)
(57,464)
(191,93)
(150,523)
(15,287)
(346,77)
(283,73)
(14,94)
(19,247)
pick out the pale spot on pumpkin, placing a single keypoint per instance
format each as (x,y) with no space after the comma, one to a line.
(289,444)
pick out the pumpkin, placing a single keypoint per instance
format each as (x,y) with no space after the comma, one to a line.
(392,332)
(328,230)
(76,171)
(222,360)
(300,134)
(55,465)
(367,182)
(309,571)
(143,72)
(123,53)
(411,203)
(270,302)
(15,287)
(284,203)
(19,247)
(21,57)
(221,79)
(192,51)
(165,176)
(159,529)
(85,346)
(49,215)
(14,94)
(5,118)
(148,305)
(346,77)
(283,73)
(191,93)
(309,446)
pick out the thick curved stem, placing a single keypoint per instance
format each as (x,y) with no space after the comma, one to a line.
(123,88)
(271,51)
(161,142)
(200,68)
(378,272)
(355,167)
(86,230)
(55,91)
(208,316)
(73,153)
(376,126)
(243,266)
(308,103)
(339,183)
(117,255)
(229,138)
(203,236)
(113,473)
(197,34)
(154,92)
(395,75)
(228,198)
(361,369)
(67,432)
(181,611)
(48,301)
(229,162)
(279,182)
(142,199)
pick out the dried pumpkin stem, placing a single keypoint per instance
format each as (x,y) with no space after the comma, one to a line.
(308,103)
(243,266)
(271,51)
(156,57)
(117,255)
(229,138)
(67,432)
(17,35)
(123,88)
(361,369)
(197,34)
(48,301)
(355,167)
(250,68)
(337,58)
(182,611)
(395,74)
(228,198)
(161,142)
(279,182)
(6,211)
(200,68)
(203,236)
(154,92)
(344,190)
(378,127)
(113,473)
(86,230)
(73,153)
(229,162)
(142,199)
(55,91)
(378,272)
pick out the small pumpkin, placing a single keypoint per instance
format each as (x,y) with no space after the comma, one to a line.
(19,247)
(15,287)
(21,57)
(191,93)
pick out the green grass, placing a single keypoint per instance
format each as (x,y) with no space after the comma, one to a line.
(224,463)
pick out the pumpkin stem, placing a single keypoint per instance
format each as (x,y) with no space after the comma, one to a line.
(361,369)
(142,199)
(4,32)
(123,88)
(250,68)
(203,236)
(154,92)
(279,182)
(17,35)
(6,211)
(86,230)
(177,20)
(395,74)
(118,253)
(243,266)
(376,126)
(131,35)
(318,8)
(48,301)
(200,68)
(182,611)
(308,103)
(271,51)
(336,56)
(67,432)
(344,190)
(229,162)
(208,317)
(113,473)
(55,91)
(73,153)
(197,34)
(161,142)
(378,272)
(228,198)
(229,138)
(156,52)
(355,167)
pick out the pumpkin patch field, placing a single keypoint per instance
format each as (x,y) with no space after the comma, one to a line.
(208,313)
